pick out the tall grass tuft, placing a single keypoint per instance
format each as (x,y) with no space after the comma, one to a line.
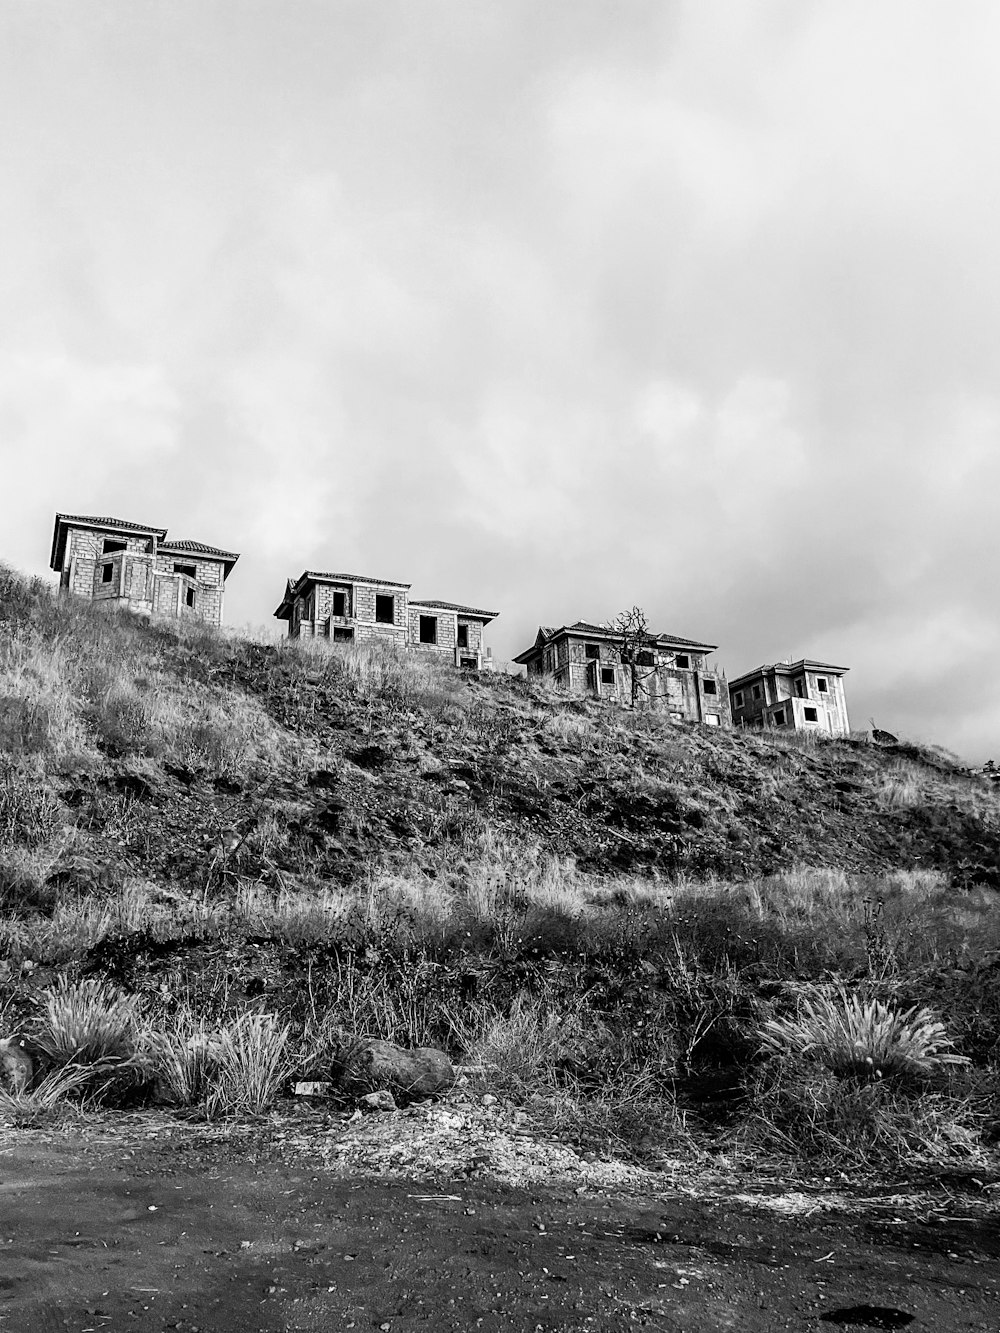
(252,1065)
(46,1102)
(87,1023)
(862,1038)
(182,1057)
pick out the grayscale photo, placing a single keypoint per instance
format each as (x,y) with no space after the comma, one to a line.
(499,766)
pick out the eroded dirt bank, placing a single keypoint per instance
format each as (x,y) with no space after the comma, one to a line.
(231,1235)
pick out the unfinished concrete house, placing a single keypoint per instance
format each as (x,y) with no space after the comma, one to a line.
(673,674)
(354,608)
(112,561)
(803,696)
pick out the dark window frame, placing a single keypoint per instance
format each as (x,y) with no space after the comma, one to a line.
(381,616)
(738,698)
(428,626)
(821,685)
(188,571)
(189,598)
(340,604)
(107,573)
(114,546)
(592,652)
(462,636)
(779,718)
(683,661)
(815,714)
(607,675)
(709,687)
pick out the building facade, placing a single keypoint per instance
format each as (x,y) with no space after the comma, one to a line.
(357,608)
(113,561)
(803,696)
(672,672)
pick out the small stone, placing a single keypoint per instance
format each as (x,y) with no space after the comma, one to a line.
(382,1100)
(488,1099)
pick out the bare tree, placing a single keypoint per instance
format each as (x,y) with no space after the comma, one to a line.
(632,637)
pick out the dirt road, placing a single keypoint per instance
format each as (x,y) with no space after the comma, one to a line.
(151,1235)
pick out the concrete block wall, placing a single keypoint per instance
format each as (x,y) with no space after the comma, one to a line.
(142,578)
(208,584)
(446,625)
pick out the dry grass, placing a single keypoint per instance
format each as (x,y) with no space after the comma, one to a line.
(87,1022)
(861,1037)
(251,1063)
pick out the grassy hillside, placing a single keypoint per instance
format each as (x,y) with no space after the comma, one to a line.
(597,906)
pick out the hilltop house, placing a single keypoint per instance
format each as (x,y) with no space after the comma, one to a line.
(803,695)
(672,671)
(352,608)
(113,561)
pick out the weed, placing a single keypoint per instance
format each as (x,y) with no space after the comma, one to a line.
(184,1058)
(46,1102)
(252,1064)
(87,1022)
(862,1038)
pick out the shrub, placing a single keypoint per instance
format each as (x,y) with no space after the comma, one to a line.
(862,1038)
(87,1023)
(252,1065)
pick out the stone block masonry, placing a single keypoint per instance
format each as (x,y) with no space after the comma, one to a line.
(120,563)
(359,608)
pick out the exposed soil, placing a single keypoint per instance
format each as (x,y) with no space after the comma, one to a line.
(149,1224)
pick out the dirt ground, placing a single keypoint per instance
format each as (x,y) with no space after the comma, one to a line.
(149,1226)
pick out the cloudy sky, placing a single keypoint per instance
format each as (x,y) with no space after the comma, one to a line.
(551,307)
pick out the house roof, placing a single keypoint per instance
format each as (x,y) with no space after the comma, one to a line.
(585,629)
(471,611)
(294,586)
(789,669)
(227,558)
(65,521)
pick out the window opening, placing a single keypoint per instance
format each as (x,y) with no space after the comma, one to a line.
(821,684)
(607,675)
(189,597)
(385,609)
(107,572)
(709,687)
(428,629)
(189,571)
(343,634)
(463,636)
(756,691)
(800,689)
(469,663)
(779,718)
(340,603)
(811,715)
(111,545)
(645,658)
(683,661)
(738,699)
(591,651)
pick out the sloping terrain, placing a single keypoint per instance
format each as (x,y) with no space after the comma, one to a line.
(192,759)
(598,909)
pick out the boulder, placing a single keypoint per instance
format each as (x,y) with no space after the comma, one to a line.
(369,1065)
(19,1062)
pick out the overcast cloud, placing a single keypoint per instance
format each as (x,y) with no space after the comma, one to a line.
(554,308)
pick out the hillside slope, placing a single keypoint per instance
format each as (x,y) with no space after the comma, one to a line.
(196,760)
